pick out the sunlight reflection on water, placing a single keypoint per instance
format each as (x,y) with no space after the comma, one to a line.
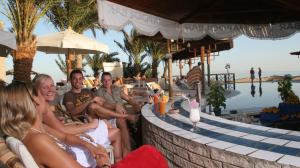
(264,96)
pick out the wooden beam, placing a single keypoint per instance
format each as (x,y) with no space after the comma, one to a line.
(202,68)
(170,70)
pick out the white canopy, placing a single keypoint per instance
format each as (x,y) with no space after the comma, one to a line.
(69,41)
(114,68)
(7,42)
(115,16)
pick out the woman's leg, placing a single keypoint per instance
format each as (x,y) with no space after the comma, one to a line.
(114,136)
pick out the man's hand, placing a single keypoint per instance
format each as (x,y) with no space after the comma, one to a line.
(100,154)
(98,100)
(120,109)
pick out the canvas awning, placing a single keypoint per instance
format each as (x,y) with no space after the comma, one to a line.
(193,19)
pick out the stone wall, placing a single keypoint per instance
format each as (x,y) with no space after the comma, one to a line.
(182,152)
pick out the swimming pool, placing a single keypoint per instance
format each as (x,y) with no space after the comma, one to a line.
(257,96)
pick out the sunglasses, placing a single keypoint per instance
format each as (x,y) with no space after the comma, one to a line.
(24,84)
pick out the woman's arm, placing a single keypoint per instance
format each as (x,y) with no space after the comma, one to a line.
(76,141)
(50,119)
(48,154)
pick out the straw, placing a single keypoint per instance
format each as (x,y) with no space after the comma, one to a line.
(185,97)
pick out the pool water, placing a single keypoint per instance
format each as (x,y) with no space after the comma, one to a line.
(257,96)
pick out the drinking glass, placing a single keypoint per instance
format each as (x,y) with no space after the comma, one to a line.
(194,117)
(162,108)
(156,100)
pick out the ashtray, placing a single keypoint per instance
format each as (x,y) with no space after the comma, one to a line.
(173,111)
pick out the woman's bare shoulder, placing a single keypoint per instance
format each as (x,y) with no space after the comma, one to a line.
(36,140)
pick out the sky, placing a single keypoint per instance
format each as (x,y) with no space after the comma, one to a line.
(271,55)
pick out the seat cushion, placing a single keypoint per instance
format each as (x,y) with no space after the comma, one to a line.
(21,151)
(7,158)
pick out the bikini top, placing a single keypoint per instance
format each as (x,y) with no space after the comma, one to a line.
(61,144)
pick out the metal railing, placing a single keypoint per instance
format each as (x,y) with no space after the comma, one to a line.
(226,79)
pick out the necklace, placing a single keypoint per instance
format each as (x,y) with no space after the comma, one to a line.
(36,130)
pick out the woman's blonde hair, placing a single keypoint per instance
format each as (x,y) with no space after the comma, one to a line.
(37,81)
(17,109)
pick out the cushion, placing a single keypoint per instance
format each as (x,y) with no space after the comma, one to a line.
(21,151)
(7,158)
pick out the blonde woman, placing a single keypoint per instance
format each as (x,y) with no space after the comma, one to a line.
(97,129)
(21,117)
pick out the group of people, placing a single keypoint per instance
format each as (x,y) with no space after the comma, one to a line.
(252,74)
(79,136)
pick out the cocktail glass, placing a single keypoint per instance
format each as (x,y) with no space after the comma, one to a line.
(162,108)
(156,101)
(194,114)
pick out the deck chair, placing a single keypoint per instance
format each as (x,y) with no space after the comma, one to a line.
(18,148)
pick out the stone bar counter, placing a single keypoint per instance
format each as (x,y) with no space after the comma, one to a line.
(217,142)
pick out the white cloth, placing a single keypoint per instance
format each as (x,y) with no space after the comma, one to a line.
(100,136)
(114,16)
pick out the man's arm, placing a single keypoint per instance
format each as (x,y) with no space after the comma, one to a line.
(77,110)
(108,105)
(50,119)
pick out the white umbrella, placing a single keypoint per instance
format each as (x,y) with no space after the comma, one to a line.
(69,41)
(7,42)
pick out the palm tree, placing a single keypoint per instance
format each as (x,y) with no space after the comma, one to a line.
(96,62)
(134,47)
(157,50)
(24,15)
(75,14)
(63,66)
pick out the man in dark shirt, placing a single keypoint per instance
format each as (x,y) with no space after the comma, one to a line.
(79,101)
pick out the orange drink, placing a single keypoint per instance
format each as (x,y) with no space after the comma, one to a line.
(162,108)
(156,99)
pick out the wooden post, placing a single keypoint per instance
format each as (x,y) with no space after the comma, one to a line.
(234,81)
(169,56)
(202,68)
(190,63)
(208,66)
(180,68)
(69,58)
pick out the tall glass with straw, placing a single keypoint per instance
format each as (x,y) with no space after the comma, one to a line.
(194,113)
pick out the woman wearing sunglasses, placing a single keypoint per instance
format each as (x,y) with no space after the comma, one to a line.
(21,117)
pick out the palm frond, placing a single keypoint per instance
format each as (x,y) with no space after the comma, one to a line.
(95,62)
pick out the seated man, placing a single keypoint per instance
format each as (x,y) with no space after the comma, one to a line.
(80,102)
(113,94)
(97,129)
